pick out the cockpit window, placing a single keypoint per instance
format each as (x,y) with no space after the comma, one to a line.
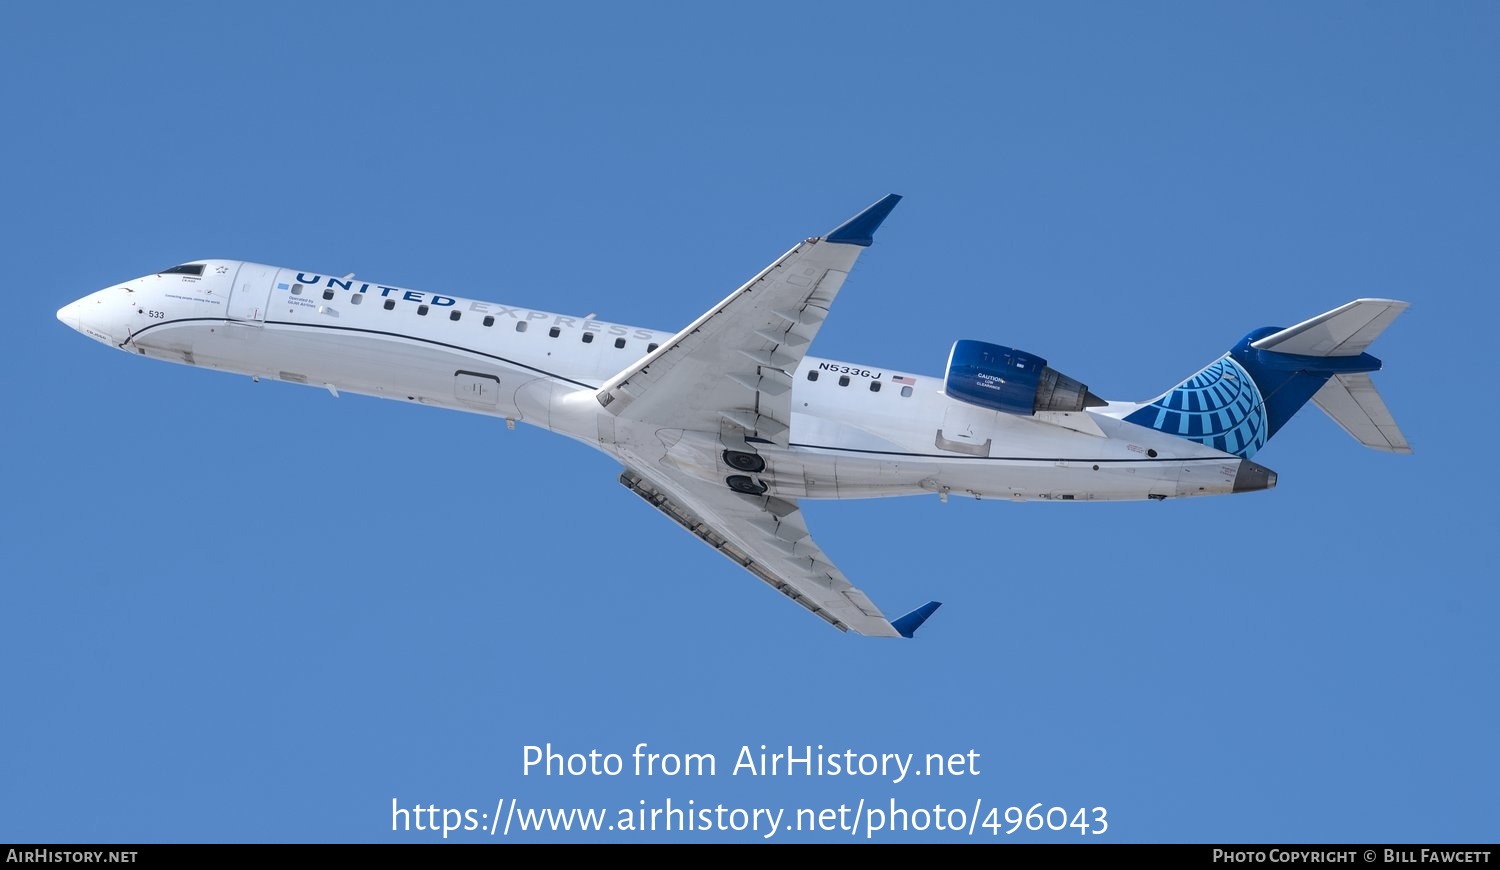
(188,269)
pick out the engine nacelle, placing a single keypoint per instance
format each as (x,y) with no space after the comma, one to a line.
(1013,381)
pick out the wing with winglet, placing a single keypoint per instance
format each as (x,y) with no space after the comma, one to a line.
(730,371)
(735,363)
(768,537)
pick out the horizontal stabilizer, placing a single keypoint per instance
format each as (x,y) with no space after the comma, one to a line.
(1237,402)
(1354,403)
(1344,331)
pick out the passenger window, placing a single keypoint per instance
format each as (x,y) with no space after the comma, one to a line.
(812,375)
(843,380)
(328,294)
(905,392)
(619,342)
(296,289)
(389,304)
(489,320)
(588,337)
(520,326)
(874,386)
(422,310)
(554,332)
(356,298)
(454,314)
(651,348)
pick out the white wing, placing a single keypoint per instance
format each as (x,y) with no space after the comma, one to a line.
(767,536)
(735,363)
(730,373)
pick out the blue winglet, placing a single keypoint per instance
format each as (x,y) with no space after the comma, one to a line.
(907,625)
(860,229)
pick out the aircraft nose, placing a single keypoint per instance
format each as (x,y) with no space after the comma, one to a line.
(92,316)
(68,314)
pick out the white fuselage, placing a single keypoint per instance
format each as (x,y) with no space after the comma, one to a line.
(857,431)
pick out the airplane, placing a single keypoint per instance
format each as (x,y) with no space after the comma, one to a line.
(728,423)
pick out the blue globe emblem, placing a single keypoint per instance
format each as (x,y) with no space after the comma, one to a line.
(1219,406)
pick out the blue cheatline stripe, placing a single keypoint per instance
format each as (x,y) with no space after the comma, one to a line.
(312,327)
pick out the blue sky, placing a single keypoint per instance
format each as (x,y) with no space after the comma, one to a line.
(247,612)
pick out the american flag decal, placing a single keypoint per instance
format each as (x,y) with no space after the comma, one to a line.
(902,379)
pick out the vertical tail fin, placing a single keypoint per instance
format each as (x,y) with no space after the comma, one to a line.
(1236,403)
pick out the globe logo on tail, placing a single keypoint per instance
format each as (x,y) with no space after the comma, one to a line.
(1220,407)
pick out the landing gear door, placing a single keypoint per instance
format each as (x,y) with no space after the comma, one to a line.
(251,293)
